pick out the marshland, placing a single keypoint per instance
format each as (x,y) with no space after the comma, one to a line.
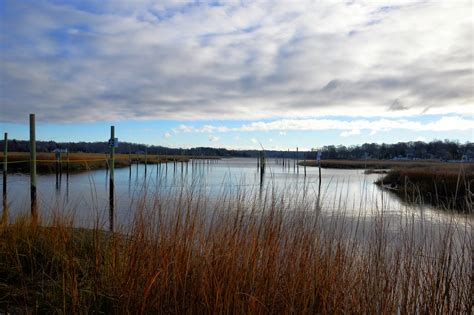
(237,157)
(216,236)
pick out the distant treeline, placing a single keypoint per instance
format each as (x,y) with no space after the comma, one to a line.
(443,150)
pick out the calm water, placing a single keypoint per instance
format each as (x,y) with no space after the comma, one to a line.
(85,195)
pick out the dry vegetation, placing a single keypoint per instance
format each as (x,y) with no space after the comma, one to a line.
(447,186)
(19,161)
(378,164)
(247,255)
(444,185)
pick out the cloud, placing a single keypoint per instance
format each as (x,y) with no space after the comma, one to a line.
(264,60)
(167,135)
(349,127)
(213,138)
(184,128)
(282,133)
(349,133)
(254,141)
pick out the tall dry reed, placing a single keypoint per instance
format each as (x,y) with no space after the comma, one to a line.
(242,253)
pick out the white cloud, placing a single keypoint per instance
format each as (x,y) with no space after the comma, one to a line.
(149,60)
(350,127)
(282,133)
(184,128)
(254,141)
(349,133)
(167,135)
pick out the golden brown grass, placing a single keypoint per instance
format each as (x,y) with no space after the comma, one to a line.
(447,186)
(239,254)
(383,164)
(19,161)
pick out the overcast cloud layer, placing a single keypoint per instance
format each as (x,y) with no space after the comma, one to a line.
(112,60)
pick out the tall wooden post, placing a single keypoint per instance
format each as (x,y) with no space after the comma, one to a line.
(111,180)
(67,163)
(57,155)
(297,160)
(34,204)
(146,159)
(129,163)
(305,164)
(5,164)
(319,166)
(67,174)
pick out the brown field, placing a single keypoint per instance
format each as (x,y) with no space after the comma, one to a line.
(446,186)
(244,257)
(46,162)
(381,164)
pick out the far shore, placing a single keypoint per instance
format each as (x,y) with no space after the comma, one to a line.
(19,162)
(381,164)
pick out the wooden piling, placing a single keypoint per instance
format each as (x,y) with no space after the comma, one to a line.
(34,204)
(67,163)
(129,163)
(67,174)
(297,159)
(5,169)
(305,164)
(319,166)
(111,180)
(146,160)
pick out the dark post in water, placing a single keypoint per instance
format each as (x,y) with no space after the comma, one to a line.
(5,163)
(146,159)
(34,205)
(111,183)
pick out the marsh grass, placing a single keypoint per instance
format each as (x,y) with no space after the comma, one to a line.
(240,253)
(385,164)
(19,161)
(447,187)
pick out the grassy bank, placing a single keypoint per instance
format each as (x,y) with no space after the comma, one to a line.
(445,186)
(19,161)
(374,164)
(244,256)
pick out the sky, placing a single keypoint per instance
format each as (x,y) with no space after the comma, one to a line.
(238,74)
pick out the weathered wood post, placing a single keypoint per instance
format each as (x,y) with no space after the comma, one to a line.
(318,156)
(146,159)
(129,163)
(67,174)
(289,160)
(297,160)
(111,180)
(305,164)
(5,164)
(34,204)
(67,164)
(57,155)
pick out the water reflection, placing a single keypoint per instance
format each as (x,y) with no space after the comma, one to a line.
(85,194)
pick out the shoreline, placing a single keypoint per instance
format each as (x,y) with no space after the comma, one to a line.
(18,162)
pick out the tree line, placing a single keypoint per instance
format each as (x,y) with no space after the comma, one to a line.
(437,149)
